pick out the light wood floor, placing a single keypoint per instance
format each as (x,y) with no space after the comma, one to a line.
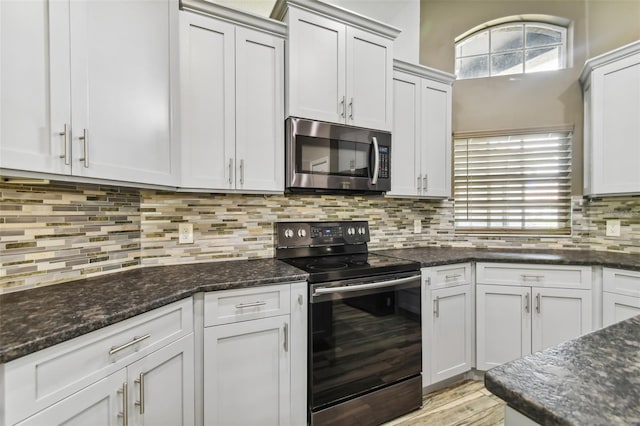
(466,403)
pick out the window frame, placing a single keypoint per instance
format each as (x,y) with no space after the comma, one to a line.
(488,29)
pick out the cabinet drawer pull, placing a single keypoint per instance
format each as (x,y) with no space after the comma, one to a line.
(527,303)
(300,299)
(436,307)
(140,402)
(538,303)
(528,277)
(452,277)
(250,305)
(125,400)
(115,349)
(65,146)
(85,142)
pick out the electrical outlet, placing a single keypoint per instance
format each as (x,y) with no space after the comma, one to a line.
(185,233)
(417,226)
(613,228)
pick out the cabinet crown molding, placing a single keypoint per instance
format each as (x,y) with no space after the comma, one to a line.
(335,12)
(424,71)
(235,15)
(607,57)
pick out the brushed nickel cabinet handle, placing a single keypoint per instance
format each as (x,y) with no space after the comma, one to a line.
(527,303)
(351,109)
(531,277)
(300,299)
(241,172)
(140,402)
(125,409)
(428,281)
(85,143)
(116,349)
(286,337)
(342,107)
(250,305)
(65,144)
(538,303)
(419,184)
(452,277)
(425,183)
(230,171)
(436,306)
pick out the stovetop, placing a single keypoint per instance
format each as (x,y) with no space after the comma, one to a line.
(340,267)
(332,251)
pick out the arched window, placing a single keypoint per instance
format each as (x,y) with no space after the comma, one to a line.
(513,47)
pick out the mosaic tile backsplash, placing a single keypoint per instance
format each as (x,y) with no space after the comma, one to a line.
(62,231)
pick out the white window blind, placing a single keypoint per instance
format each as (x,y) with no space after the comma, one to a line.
(513,183)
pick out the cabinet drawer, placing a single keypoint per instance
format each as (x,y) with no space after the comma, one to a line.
(447,275)
(560,276)
(621,282)
(230,306)
(38,380)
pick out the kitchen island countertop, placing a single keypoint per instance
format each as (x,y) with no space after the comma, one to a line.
(590,380)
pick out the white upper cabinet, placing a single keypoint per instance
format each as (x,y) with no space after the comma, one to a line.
(611,84)
(101,99)
(339,65)
(232,102)
(421,159)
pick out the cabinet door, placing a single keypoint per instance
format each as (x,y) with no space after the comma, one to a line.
(207,73)
(448,352)
(121,82)
(405,155)
(503,324)
(100,404)
(246,373)
(618,307)
(559,315)
(35,104)
(259,111)
(162,386)
(369,80)
(616,129)
(299,330)
(316,79)
(436,139)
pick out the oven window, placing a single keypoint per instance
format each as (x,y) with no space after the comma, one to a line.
(362,342)
(331,157)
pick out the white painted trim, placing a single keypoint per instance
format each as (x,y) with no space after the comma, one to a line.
(423,71)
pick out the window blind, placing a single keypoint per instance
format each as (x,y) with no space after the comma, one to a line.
(518,183)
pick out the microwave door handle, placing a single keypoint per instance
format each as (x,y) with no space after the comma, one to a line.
(376,161)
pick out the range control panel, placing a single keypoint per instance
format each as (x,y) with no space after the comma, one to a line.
(313,234)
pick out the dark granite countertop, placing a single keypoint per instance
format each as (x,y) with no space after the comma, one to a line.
(32,320)
(591,380)
(434,256)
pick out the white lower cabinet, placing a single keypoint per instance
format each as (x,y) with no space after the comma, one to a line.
(156,390)
(515,319)
(447,322)
(255,365)
(137,372)
(621,295)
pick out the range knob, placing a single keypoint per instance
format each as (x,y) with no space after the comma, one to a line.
(288,233)
(362,231)
(302,233)
(351,230)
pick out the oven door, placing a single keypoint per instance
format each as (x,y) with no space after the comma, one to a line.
(364,335)
(331,157)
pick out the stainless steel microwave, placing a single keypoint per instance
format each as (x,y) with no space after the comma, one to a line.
(325,157)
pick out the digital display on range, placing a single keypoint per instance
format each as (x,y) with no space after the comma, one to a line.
(330,232)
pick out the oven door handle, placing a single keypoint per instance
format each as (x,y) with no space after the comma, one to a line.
(347,288)
(376,161)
